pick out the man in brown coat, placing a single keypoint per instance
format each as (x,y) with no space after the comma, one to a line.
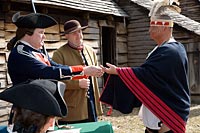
(82,94)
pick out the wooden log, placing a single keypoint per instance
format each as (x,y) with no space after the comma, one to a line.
(136,34)
(61,27)
(186,41)
(137,17)
(1,25)
(62,37)
(122,58)
(140,43)
(4,112)
(121,38)
(4,122)
(137,56)
(144,51)
(122,64)
(139,38)
(2,58)
(141,47)
(137,61)
(3,67)
(142,20)
(103,23)
(3,43)
(9,35)
(121,47)
(54,45)
(93,23)
(136,29)
(92,43)
(91,36)
(10,27)
(52,37)
(138,25)
(191,48)
(120,28)
(3,83)
(134,64)
(53,29)
(106,23)
(2,34)
(91,30)
(2,75)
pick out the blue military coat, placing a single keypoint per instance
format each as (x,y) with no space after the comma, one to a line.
(25,63)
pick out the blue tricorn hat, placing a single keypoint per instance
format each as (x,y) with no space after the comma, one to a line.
(41,96)
(33,20)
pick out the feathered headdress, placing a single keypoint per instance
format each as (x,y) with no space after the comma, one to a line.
(157,12)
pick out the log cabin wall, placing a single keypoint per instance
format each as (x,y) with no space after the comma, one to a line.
(140,44)
(54,39)
(191,9)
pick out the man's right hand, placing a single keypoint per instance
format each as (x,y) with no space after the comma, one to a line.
(111,69)
(93,71)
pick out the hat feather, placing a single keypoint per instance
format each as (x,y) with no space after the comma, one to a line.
(160,5)
(15,17)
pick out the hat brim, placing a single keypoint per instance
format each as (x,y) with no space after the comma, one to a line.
(41,96)
(33,20)
(80,28)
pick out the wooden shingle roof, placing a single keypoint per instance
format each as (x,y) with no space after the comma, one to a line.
(99,6)
(179,19)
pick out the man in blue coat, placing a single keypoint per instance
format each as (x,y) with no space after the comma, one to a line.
(29,60)
(160,84)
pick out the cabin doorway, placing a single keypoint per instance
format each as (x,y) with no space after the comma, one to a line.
(108,46)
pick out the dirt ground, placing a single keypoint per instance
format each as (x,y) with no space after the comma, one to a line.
(130,123)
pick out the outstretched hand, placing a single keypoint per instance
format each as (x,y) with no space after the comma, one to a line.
(111,69)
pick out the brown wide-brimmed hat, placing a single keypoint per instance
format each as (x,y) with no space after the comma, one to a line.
(72,26)
(33,20)
(41,96)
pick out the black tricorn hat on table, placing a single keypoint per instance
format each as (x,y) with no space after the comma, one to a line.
(33,20)
(41,96)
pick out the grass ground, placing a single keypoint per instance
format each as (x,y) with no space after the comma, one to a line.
(130,123)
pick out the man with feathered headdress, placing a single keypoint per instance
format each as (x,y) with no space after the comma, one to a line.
(160,83)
